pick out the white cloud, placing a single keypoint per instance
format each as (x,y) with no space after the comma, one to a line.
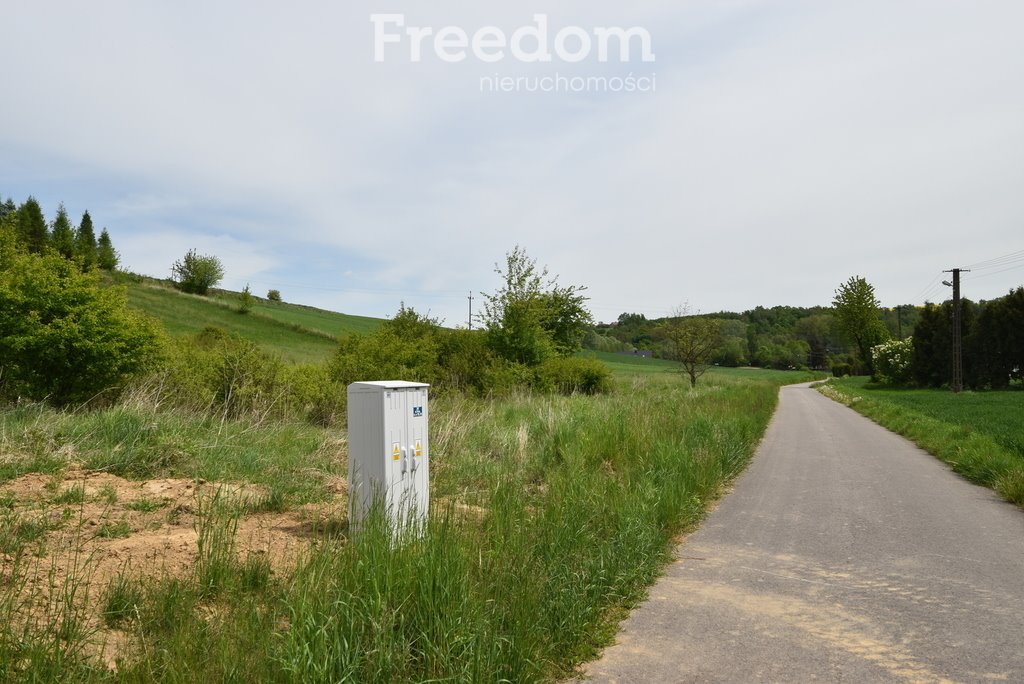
(789,145)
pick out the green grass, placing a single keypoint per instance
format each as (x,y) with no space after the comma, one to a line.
(625,364)
(979,434)
(289,458)
(310,318)
(550,517)
(299,334)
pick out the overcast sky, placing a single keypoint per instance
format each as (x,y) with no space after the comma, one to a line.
(769,151)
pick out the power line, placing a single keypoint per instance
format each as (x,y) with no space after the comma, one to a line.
(999,261)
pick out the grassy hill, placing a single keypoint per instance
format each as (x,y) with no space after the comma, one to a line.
(298,333)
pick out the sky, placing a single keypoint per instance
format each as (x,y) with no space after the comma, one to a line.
(755,153)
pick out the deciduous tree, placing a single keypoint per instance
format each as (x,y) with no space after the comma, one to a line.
(692,340)
(857,315)
(197,273)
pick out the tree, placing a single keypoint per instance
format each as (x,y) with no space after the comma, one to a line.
(857,315)
(8,210)
(197,273)
(245,300)
(65,338)
(274,295)
(62,237)
(85,242)
(106,256)
(531,318)
(32,226)
(692,340)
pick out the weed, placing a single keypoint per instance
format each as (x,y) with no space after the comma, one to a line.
(145,505)
(74,494)
(115,530)
(216,526)
(108,494)
(121,601)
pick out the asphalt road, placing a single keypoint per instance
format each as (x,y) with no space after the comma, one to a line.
(843,554)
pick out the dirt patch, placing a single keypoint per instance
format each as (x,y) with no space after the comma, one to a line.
(82,529)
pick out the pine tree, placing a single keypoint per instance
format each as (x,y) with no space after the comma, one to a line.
(7,209)
(106,256)
(85,242)
(32,226)
(62,238)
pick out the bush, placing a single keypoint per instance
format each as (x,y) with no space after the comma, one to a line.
(196,273)
(274,295)
(841,370)
(403,348)
(65,337)
(245,300)
(570,375)
(893,361)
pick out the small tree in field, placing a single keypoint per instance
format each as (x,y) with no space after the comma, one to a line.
(196,273)
(245,300)
(692,340)
(274,295)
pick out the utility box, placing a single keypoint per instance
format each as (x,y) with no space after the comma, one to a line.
(388,451)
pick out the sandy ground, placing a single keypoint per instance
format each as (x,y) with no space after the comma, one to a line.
(99,525)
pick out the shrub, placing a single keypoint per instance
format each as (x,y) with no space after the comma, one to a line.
(570,375)
(65,337)
(840,370)
(893,361)
(403,348)
(196,273)
(274,295)
(245,300)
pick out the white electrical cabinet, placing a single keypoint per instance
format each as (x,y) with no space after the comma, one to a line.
(388,451)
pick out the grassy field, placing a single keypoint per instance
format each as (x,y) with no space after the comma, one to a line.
(980,434)
(299,334)
(625,364)
(550,517)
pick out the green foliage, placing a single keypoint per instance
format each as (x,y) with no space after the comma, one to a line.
(692,340)
(274,295)
(31,226)
(574,375)
(106,256)
(531,318)
(85,242)
(995,343)
(66,338)
(893,361)
(403,348)
(857,316)
(196,274)
(245,300)
(62,238)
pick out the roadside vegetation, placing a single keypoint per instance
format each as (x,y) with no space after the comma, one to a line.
(979,434)
(551,514)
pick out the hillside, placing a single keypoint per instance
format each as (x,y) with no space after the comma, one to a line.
(300,334)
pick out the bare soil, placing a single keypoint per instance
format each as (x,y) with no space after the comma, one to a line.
(98,525)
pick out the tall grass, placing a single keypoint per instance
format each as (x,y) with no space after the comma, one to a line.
(551,515)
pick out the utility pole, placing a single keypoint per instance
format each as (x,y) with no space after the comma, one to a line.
(471,309)
(958,350)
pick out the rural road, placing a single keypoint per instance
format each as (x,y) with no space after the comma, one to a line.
(844,554)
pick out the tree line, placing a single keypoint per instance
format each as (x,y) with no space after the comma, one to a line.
(31,231)
(902,345)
